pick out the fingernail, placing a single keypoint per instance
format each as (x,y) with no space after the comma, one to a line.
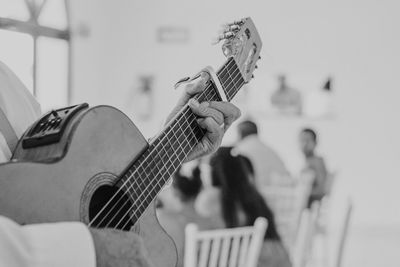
(205,104)
(205,76)
(194,103)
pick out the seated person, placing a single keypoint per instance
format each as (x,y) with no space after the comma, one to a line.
(314,165)
(235,200)
(73,243)
(174,220)
(269,168)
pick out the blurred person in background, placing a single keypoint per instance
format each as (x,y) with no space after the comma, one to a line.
(234,198)
(268,166)
(314,165)
(175,218)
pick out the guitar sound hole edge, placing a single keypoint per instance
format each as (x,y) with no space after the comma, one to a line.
(115,215)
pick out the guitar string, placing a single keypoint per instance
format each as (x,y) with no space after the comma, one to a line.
(144,180)
(226,67)
(137,203)
(127,184)
(130,213)
(138,206)
(146,175)
(150,191)
(185,150)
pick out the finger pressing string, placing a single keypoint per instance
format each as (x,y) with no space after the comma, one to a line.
(228,110)
(203,110)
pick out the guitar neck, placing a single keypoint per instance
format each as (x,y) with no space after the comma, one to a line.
(169,149)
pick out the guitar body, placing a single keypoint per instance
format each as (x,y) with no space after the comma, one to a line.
(72,179)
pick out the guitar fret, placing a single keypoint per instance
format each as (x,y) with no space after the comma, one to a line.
(178,146)
(231,78)
(157,187)
(172,154)
(181,138)
(223,75)
(231,83)
(168,166)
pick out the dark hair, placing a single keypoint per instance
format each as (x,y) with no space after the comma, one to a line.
(247,128)
(311,132)
(232,175)
(188,187)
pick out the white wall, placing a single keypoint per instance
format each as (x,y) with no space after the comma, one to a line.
(355,41)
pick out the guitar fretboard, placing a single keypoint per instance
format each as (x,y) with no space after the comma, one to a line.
(144,180)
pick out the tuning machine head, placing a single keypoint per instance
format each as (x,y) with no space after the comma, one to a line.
(230,28)
(243,43)
(236,22)
(223,36)
(228,31)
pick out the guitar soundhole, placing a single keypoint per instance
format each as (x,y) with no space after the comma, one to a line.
(113,207)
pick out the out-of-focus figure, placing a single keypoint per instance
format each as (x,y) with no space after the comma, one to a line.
(234,198)
(184,191)
(268,166)
(314,165)
(285,99)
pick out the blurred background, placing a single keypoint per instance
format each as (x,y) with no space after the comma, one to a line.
(329,65)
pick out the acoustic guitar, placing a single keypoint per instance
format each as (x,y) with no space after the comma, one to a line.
(92,164)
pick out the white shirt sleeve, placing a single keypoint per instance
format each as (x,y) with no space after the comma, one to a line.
(46,245)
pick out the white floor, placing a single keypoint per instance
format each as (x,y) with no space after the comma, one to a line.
(373,247)
(366,246)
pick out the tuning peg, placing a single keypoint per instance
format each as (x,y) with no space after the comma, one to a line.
(234,28)
(256,67)
(236,22)
(259,57)
(252,76)
(231,28)
(223,36)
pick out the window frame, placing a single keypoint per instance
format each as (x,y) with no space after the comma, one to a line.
(36,30)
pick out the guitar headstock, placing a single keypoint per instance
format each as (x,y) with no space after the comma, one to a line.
(243,43)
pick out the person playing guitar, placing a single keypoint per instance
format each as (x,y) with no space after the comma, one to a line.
(113,247)
(91,164)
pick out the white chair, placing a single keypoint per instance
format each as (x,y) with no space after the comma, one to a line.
(343,234)
(287,203)
(305,236)
(233,247)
